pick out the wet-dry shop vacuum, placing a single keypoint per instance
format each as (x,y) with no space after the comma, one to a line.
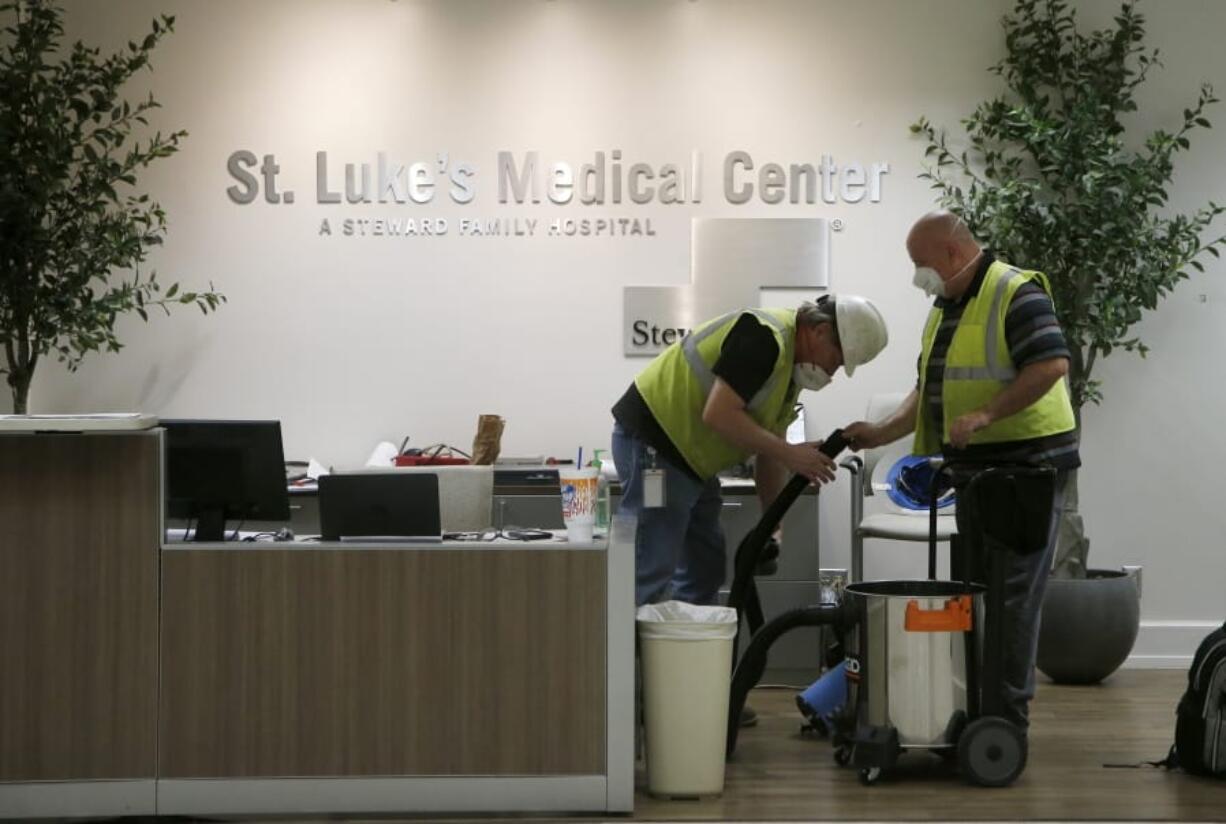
(923,659)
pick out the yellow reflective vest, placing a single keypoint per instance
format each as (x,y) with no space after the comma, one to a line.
(676,384)
(978,366)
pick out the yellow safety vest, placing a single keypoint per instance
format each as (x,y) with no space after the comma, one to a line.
(677,383)
(978,366)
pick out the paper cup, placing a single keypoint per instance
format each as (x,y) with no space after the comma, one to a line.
(579,487)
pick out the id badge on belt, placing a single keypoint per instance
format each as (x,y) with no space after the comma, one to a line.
(653,483)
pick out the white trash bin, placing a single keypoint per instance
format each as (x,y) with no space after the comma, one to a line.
(686,653)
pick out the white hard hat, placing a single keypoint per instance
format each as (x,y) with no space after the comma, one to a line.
(862,332)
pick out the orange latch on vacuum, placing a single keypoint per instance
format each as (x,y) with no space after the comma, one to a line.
(955,617)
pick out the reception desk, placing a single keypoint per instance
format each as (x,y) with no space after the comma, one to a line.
(79,555)
(295,678)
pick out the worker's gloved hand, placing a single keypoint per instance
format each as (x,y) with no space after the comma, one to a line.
(768,559)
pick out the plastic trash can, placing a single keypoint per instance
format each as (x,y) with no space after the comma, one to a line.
(686,653)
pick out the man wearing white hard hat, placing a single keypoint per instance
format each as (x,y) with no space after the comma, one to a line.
(725,392)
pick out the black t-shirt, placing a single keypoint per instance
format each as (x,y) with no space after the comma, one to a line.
(745,363)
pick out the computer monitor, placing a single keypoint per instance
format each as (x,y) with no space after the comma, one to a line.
(218,471)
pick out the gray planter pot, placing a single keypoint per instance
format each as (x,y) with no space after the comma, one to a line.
(1089,626)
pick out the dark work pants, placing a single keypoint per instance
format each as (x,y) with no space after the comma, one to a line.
(1025,581)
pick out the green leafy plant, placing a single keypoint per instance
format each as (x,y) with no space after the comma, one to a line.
(73,233)
(1051,179)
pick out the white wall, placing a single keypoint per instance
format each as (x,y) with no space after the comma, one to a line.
(350,341)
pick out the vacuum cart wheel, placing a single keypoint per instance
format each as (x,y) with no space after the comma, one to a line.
(842,756)
(870,776)
(992,752)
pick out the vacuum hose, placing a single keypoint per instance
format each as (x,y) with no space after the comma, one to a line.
(743,594)
(743,597)
(753,663)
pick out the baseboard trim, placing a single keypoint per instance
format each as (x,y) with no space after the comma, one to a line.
(77,799)
(1157,662)
(409,795)
(1168,644)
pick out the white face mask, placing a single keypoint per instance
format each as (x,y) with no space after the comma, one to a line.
(927,279)
(810,376)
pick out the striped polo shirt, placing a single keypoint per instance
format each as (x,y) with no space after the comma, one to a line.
(1034,335)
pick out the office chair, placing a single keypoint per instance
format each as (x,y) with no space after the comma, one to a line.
(889,521)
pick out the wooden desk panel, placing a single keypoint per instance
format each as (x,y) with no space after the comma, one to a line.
(79,550)
(333,662)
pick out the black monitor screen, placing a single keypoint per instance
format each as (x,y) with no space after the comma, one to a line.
(218,471)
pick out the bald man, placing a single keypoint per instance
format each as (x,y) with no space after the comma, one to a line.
(990,391)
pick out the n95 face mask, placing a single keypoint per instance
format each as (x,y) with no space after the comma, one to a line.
(927,280)
(810,376)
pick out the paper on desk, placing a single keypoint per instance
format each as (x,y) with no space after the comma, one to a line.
(384,455)
(742,483)
(101,421)
(315,470)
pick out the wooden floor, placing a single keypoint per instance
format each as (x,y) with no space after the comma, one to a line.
(778,775)
(1074,730)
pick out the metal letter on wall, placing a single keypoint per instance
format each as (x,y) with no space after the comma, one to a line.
(731,259)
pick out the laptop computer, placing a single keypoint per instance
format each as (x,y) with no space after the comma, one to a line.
(465,494)
(379,507)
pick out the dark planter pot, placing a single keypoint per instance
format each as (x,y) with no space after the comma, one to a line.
(1089,626)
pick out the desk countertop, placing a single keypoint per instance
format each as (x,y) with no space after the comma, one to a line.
(599,543)
(728,486)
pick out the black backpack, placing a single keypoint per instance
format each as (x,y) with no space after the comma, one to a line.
(1200,718)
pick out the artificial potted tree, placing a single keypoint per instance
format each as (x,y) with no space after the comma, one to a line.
(73,232)
(1050,178)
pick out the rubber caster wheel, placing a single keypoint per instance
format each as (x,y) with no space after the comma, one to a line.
(842,756)
(992,752)
(870,776)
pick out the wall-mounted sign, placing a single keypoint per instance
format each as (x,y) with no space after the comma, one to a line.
(731,259)
(607,179)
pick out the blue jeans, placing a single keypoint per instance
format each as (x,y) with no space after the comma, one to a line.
(679,548)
